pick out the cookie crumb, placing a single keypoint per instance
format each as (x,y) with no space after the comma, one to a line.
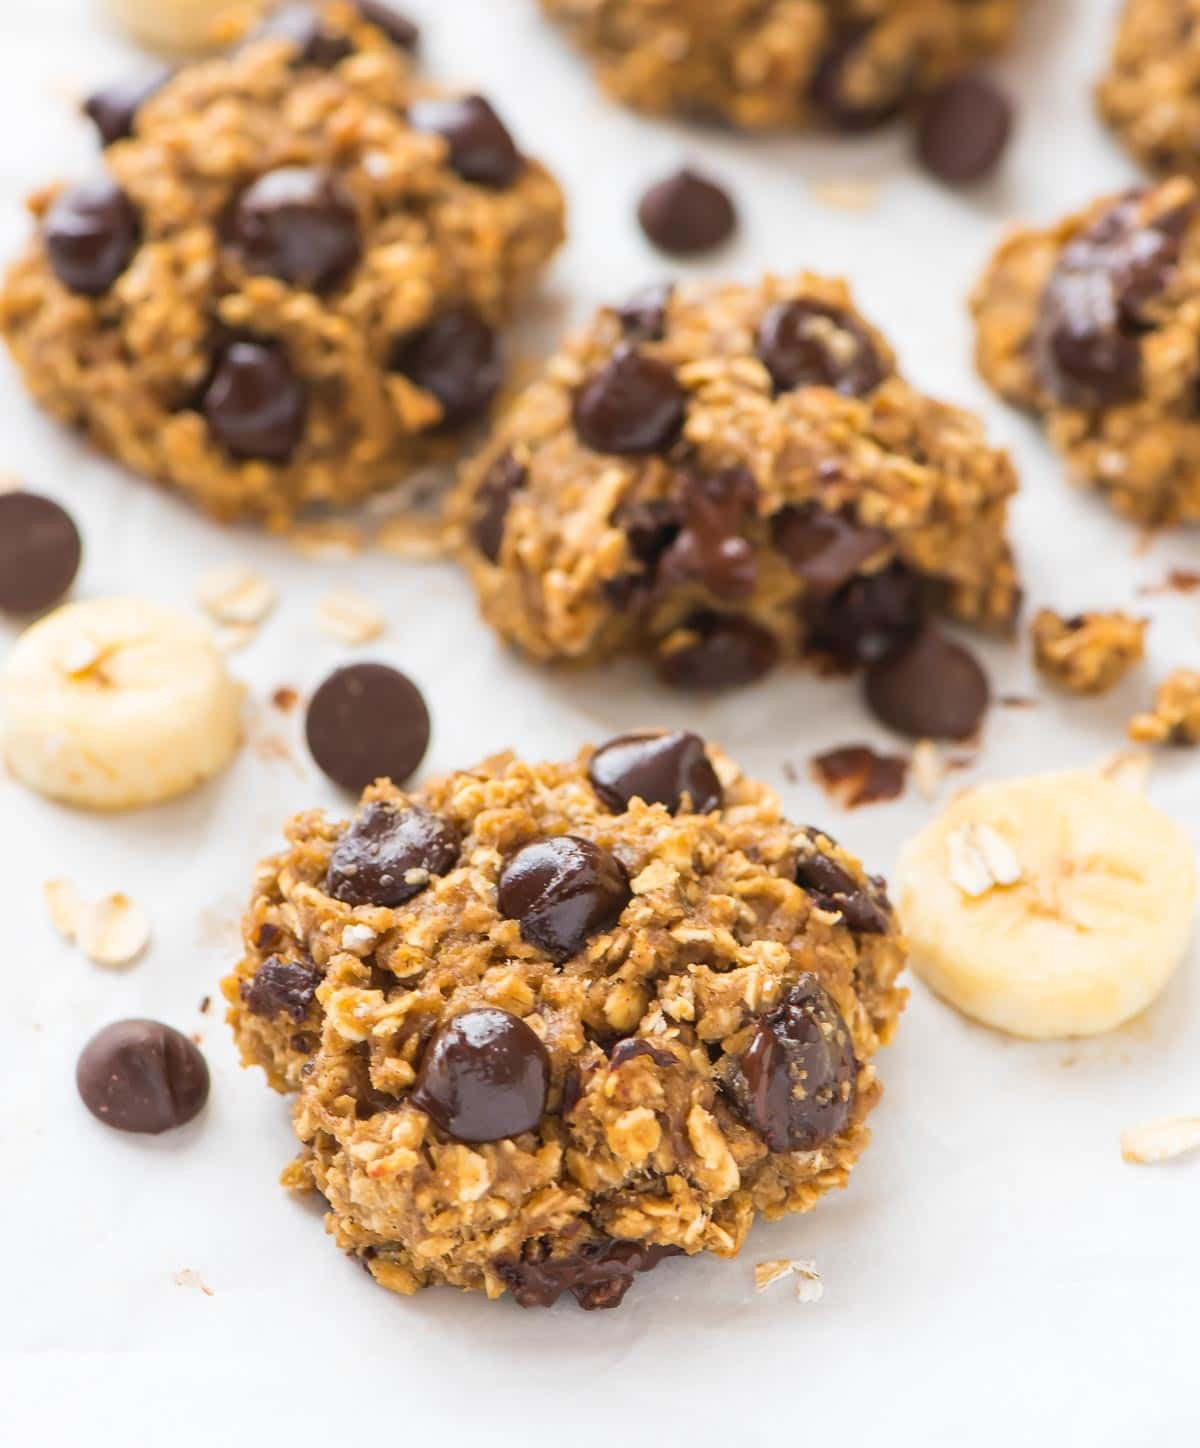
(113,930)
(1175,718)
(189,1277)
(236,595)
(1179,580)
(855,775)
(285,698)
(1157,1141)
(981,859)
(65,905)
(204,1005)
(1087,653)
(809,1287)
(350,618)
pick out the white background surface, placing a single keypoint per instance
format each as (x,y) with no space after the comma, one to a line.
(994,1274)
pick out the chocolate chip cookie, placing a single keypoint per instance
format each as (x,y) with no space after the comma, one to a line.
(549,1024)
(849,64)
(1150,93)
(1093,324)
(723,477)
(283,286)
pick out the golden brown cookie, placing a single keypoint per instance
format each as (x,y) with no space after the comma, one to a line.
(1150,93)
(1087,653)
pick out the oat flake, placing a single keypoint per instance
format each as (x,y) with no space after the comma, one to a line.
(65,905)
(350,618)
(1163,1140)
(113,930)
(236,595)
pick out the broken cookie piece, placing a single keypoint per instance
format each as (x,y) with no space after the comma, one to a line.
(1175,718)
(1087,653)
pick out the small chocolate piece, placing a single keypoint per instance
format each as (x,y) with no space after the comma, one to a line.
(795,1083)
(367,722)
(398,28)
(928,687)
(710,550)
(658,768)
(856,774)
(297,223)
(964,129)
(562,890)
(597,1276)
(825,549)
(302,26)
(388,855)
(40,552)
(634,1046)
(484,1076)
(829,89)
(481,149)
(686,214)
(457,359)
(866,616)
(114,109)
(726,652)
(90,233)
(255,404)
(834,888)
(650,527)
(643,317)
(631,406)
(142,1076)
(282,987)
(503,479)
(805,343)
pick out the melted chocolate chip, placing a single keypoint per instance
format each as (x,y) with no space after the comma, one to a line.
(834,888)
(633,1047)
(964,129)
(398,28)
(282,987)
(830,91)
(928,687)
(597,1276)
(90,233)
(710,549)
(493,498)
(724,652)
(303,27)
(856,774)
(686,214)
(114,109)
(388,855)
(866,616)
(40,552)
(650,527)
(142,1076)
(255,404)
(643,317)
(631,406)
(457,359)
(484,1076)
(297,223)
(662,769)
(805,343)
(366,722)
(562,890)
(481,149)
(825,549)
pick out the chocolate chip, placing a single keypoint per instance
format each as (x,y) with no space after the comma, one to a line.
(964,129)
(834,888)
(303,27)
(928,687)
(830,91)
(856,774)
(687,213)
(597,1276)
(805,343)
(572,1090)
(662,769)
(493,498)
(710,550)
(825,549)
(297,223)
(388,855)
(398,28)
(114,109)
(282,988)
(726,651)
(142,1076)
(650,527)
(267,935)
(91,233)
(562,890)
(367,722)
(40,552)
(633,1047)
(484,1076)
(795,1083)
(643,317)
(866,616)
(632,405)
(456,358)
(255,404)
(481,149)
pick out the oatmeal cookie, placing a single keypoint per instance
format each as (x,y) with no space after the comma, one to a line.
(1175,718)
(850,64)
(1150,93)
(1088,653)
(283,287)
(548,1024)
(1094,324)
(724,476)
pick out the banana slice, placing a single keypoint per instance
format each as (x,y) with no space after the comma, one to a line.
(117,703)
(176,24)
(1057,905)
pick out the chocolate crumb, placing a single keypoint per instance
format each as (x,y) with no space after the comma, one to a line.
(855,775)
(1179,580)
(204,1005)
(1016,701)
(285,699)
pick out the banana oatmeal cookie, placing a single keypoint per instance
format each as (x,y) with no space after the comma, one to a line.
(1150,94)
(1095,325)
(1088,653)
(283,286)
(724,476)
(549,1024)
(1175,718)
(850,64)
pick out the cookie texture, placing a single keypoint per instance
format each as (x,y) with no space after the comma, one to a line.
(1087,653)
(284,286)
(1175,718)
(595,1032)
(722,477)
(850,64)
(1150,92)
(1093,324)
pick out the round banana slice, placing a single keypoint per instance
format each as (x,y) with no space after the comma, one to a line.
(117,703)
(1057,905)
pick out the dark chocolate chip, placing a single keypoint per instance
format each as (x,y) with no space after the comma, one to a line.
(493,498)
(91,233)
(834,888)
(686,214)
(456,358)
(367,722)
(303,27)
(805,343)
(398,28)
(633,1047)
(40,552)
(282,988)
(484,1076)
(856,774)
(650,527)
(562,890)
(643,317)
(726,651)
(928,687)
(597,1276)
(374,861)
(632,405)
(710,549)
(114,109)
(297,223)
(572,1090)
(825,549)
(255,404)
(481,149)
(830,91)
(658,768)
(142,1076)
(964,129)
(267,935)
(866,616)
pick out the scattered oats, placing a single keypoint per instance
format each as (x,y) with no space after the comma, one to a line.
(189,1277)
(331,538)
(113,930)
(809,1287)
(236,595)
(358,937)
(65,905)
(1128,767)
(980,859)
(414,538)
(928,770)
(846,194)
(1159,1141)
(350,618)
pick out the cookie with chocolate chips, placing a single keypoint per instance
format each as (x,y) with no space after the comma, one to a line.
(550,1024)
